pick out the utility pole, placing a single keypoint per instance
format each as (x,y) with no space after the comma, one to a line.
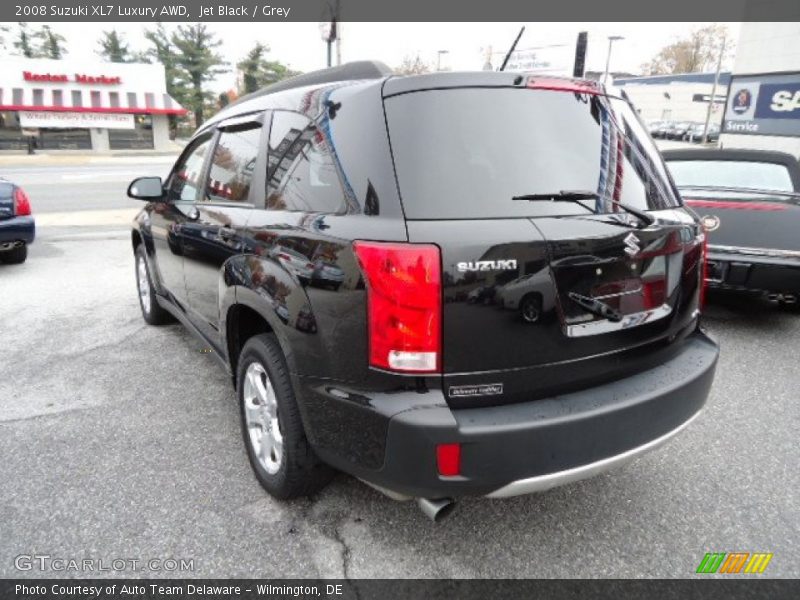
(611,40)
(714,89)
(338,42)
(329,30)
(439,59)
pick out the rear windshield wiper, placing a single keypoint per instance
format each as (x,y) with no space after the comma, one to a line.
(577,196)
(594,306)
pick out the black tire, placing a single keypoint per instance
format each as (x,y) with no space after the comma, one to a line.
(530,308)
(15,256)
(299,472)
(152,312)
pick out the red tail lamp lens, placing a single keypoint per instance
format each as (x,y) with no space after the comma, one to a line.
(22,205)
(404,305)
(448,459)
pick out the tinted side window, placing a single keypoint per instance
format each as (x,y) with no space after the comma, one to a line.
(302,173)
(186,176)
(232,165)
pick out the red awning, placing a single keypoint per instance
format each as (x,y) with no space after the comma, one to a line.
(89,101)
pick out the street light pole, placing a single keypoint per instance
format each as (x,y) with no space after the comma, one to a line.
(439,59)
(611,40)
(714,90)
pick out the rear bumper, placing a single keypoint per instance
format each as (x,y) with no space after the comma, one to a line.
(17,229)
(754,269)
(532,446)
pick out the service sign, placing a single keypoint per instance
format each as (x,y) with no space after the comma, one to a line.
(763,105)
(69,120)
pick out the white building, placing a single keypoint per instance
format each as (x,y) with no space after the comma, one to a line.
(681,97)
(84,105)
(763,108)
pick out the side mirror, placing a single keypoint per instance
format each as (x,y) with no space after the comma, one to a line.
(150,189)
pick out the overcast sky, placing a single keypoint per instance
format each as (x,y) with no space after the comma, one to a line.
(300,44)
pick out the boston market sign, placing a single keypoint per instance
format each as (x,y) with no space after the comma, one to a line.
(78,78)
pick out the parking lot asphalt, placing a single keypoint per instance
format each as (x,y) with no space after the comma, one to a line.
(121,440)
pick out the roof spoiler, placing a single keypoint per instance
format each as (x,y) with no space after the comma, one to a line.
(362,69)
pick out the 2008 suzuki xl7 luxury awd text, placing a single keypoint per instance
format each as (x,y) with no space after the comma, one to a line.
(445,285)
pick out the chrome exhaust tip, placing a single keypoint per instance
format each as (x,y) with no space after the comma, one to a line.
(436,510)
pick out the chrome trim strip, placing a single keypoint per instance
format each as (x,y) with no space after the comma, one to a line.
(541,483)
(769,252)
(606,326)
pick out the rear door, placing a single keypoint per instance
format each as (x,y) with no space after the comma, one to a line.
(6,199)
(543,296)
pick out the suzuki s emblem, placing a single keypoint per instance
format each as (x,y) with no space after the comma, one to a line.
(710,222)
(632,247)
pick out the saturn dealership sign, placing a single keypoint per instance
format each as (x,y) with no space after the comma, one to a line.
(764,105)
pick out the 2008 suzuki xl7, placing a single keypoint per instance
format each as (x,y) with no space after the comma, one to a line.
(446,285)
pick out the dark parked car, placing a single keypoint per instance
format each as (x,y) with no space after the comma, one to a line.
(17,226)
(661,130)
(677,130)
(394,375)
(749,201)
(695,133)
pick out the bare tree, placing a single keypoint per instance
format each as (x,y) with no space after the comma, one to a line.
(413,65)
(694,54)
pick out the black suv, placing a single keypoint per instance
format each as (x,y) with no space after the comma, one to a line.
(445,285)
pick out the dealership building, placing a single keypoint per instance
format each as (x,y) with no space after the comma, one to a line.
(84,105)
(763,107)
(680,97)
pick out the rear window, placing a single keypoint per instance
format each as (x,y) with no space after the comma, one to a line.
(732,174)
(464,153)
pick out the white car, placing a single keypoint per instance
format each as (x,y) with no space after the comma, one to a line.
(531,294)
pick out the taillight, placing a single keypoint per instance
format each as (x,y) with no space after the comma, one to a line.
(404,305)
(22,205)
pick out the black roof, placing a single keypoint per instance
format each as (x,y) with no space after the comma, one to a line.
(741,154)
(305,90)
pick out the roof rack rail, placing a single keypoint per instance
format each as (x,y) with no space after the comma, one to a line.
(362,69)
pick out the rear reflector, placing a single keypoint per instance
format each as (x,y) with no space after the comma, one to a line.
(22,206)
(564,85)
(448,459)
(404,305)
(703,271)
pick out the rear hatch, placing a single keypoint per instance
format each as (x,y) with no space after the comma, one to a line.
(542,297)
(6,199)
